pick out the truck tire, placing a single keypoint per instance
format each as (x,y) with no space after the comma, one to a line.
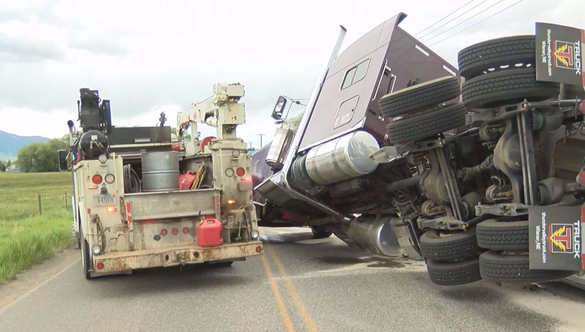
(449,247)
(427,124)
(509,51)
(320,232)
(506,87)
(451,274)
(503,235)
(419,97)
(514,268)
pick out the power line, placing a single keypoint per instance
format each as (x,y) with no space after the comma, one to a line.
(456,17)
(465,20)
(485,19)
(296,101)
(451,13)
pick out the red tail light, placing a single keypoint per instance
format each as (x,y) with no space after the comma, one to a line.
(163,232)
(100,266)
(258,249)
(175,231)
(96,179)
(240,172)
(185,230)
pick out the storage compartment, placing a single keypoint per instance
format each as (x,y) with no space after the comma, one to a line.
(173,204)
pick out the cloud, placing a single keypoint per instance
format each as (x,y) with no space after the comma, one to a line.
(31,122)
(171,53)
(98,46)
(28,50)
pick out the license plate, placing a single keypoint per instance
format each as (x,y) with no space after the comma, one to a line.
(103,200)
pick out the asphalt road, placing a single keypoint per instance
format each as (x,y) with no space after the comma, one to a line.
(300,284)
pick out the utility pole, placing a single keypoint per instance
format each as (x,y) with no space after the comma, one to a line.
(261,135)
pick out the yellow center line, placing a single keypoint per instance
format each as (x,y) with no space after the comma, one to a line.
(290,286)
(277,297)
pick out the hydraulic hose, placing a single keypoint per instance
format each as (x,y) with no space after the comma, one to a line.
(131,180)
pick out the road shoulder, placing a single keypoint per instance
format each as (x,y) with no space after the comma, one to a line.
(35,276)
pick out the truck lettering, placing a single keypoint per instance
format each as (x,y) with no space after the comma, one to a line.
(549,52)
(537,238)
(577,239)
(543,237)
(578,58)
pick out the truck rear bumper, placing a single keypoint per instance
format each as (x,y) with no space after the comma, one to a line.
(163,257)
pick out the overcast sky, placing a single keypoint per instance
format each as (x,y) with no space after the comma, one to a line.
(153,56)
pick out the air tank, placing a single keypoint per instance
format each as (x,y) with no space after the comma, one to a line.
(343,158)
(279,147)
(160,171)
(93,143)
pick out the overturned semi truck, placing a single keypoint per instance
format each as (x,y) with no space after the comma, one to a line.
(401,153)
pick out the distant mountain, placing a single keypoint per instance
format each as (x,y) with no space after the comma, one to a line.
(10,144)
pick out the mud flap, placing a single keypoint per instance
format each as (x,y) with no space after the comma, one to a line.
(404,239)
(555,238)
(558,54)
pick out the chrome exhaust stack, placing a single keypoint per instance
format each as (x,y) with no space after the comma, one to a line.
(386,236)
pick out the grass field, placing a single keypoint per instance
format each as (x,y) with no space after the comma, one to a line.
(25,236)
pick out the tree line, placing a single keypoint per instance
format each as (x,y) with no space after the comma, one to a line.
(5,165)
(42,157)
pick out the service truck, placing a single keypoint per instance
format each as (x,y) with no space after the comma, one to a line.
(143,200)
(401,153)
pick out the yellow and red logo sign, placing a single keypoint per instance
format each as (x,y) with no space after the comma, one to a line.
(561,238)
(564,54)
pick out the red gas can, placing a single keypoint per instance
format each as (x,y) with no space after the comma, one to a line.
(186,180)
(210,233)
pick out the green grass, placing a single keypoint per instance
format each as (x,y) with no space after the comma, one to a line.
(25,236)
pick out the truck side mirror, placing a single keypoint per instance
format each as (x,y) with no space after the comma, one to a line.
(279,108)
(62,156)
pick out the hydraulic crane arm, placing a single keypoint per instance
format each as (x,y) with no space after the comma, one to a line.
(222,110)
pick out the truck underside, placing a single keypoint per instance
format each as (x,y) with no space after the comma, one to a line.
(399,153)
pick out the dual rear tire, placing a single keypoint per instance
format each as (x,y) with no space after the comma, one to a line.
(420,111)
(510,267)
(507,260)
(452,258)
(502,71)
(496,251)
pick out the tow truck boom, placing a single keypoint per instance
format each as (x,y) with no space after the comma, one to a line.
(222,110)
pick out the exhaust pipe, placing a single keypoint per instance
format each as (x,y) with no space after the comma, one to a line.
(385,236)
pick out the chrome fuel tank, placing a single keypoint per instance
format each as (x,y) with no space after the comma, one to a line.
(343,158)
